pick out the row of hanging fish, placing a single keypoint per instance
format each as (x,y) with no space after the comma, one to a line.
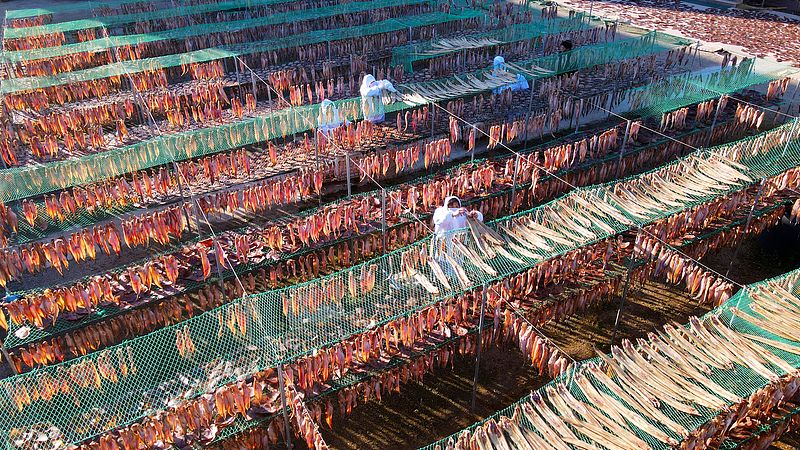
(704,285)
(96,198)
(301,419)
(674,120)
(778,88)
(749,115)
(679,363)
(82,245)
(35,257)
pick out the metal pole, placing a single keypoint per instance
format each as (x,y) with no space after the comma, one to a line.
(528,114)
(347,161)
(383,219)
(8,357)
(514,183)
(433,117)
(197,215)
(316,154)
(217,252)
(697,47)
(238,80)
(480,344)
(253,81)
(622,149)
(178,174)
(747,225)
(269,98)
(624,292)
(288,434)
(472,152)
(791,134)
(714,123)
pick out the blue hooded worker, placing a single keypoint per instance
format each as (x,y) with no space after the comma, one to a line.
(500,65)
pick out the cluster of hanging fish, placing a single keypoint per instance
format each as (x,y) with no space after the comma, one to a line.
(117,329)
(674,120)
(35,257)
(413,118)
(302,420)
(437,152)
(87,374)
(749,115)
(778,88)
(705,110)
(705,285)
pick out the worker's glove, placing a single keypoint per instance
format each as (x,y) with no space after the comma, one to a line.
(387,85)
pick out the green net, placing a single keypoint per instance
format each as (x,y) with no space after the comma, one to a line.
(741,381)
(104,313)
(82,6)
(284,324)
(589,56)
(18,183)
(408,54)
(122,19)
(202,29)
(121,68)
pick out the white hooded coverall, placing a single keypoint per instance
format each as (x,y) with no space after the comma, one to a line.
(445,226)
(371,103)
(328,117)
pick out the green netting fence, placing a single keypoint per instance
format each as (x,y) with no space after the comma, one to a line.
(604,53)
(121,68)
(54,9)
(317,313)
(103,313)
(18,183)
(741,381)
(408,54)
(202,29)
(123,19)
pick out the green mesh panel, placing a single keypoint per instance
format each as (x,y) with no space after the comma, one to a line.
(123,19)
(272,336)
(227,51)
(408,54)
(87,6)
(17,183)
(202,29)
(647,44)
(742,381)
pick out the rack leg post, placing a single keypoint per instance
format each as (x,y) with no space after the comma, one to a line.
(624,294)
(714,123)
(480,345)
(746,226)
(383,220)
(288,430)
(622,149)
(349,188)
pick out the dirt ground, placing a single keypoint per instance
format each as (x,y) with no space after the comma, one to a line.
(424,413)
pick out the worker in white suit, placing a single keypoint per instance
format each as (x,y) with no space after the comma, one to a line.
(500,65)
(371,103)
(329,117)
(448,219)
(451,216)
